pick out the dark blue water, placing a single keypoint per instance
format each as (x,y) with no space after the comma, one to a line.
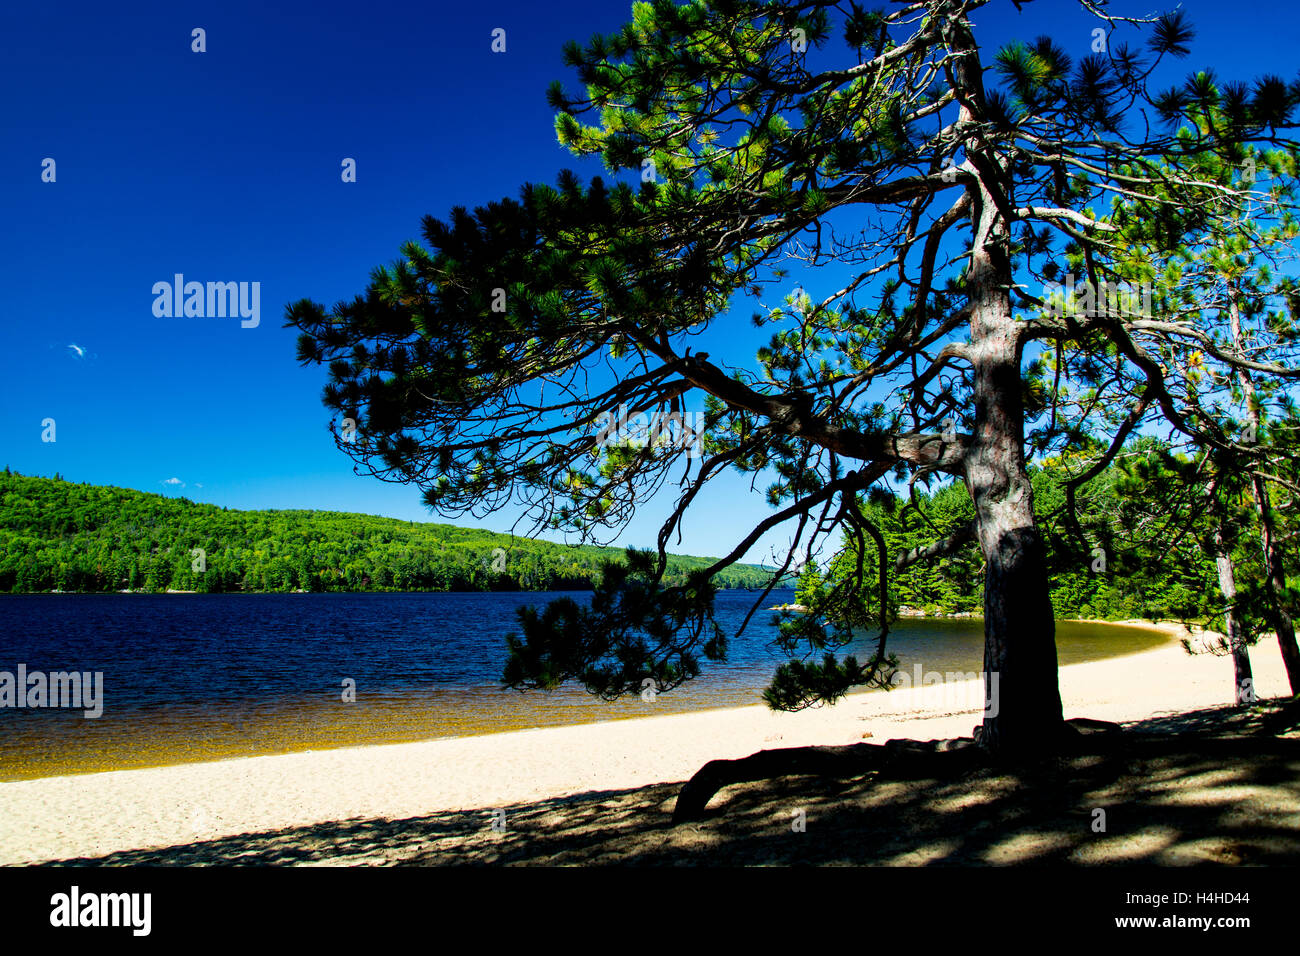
(158,649)
(200,676)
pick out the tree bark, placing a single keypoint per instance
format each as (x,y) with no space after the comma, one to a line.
(896,759)
(1243,680)
(1277,584)
(1023,702)
(846,762)
(903,758)
(1022,699)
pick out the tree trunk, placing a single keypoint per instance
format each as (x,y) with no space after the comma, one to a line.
(1275,570)
(1243,681)
(1277,585)
(1023,702)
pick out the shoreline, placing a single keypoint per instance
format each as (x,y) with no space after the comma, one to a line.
(752,590)
(90,815)
(279,727)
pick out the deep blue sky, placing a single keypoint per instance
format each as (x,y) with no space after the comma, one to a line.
(224,166)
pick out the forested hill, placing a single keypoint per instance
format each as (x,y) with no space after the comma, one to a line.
(57,535)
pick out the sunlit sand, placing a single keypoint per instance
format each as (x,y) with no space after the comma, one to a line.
(90,815)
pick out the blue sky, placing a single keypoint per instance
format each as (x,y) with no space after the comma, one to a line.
(225,166)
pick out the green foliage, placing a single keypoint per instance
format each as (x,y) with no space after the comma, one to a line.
(637,635)
(1142,552)
(947,585)
(480,364)
(56,535)
(800,684)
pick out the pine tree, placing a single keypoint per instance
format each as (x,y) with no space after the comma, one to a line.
(486,363)
(1227,339)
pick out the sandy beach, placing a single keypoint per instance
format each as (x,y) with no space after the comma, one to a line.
(90,815)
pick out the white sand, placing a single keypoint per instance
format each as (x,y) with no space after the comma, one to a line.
(94,814)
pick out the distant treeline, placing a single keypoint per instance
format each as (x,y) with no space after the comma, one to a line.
(1138,549)
(58,535)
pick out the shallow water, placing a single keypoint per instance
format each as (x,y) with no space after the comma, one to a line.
(202,677)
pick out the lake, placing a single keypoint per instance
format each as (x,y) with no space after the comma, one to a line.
(190,677)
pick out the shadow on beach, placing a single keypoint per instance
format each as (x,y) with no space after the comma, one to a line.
(1211,786)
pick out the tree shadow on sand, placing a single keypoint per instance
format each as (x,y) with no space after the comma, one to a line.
(1213,786)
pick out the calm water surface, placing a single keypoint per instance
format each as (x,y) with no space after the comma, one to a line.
(202,677)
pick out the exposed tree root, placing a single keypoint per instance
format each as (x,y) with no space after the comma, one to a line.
(895,758)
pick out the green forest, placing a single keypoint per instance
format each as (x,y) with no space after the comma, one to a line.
(1138,546)
(1139,543)
(58,535)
